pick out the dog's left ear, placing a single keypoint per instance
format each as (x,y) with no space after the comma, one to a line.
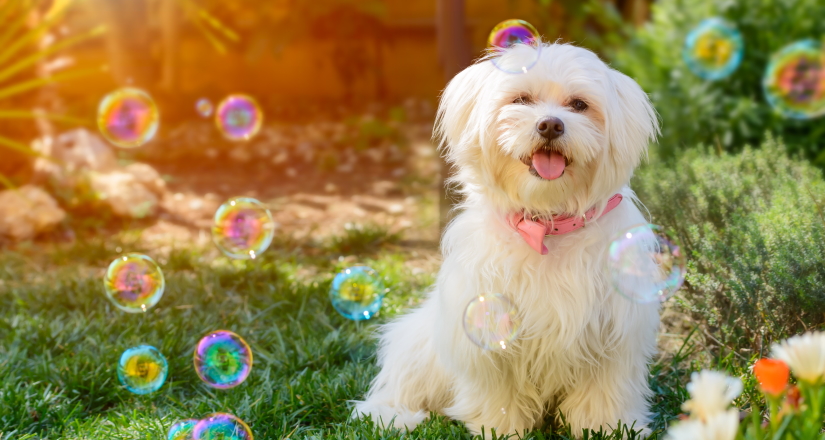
(631,122)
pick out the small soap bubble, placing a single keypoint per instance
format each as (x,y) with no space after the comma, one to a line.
(794,80)
(645,264)
(221,426)
(713,49)
(491,321)
(223,359)
(134,283)
(239,117)
(182,430)
(357,293)
(128,117)
(243,228)
(142,369)
(516,45)
(204,107)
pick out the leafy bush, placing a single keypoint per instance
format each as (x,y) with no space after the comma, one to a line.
(730,112)
(754,230)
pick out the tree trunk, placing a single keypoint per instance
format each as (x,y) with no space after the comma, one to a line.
(169,31)
(454,55)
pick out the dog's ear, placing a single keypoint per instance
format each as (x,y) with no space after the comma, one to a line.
(457,109)
(631,122)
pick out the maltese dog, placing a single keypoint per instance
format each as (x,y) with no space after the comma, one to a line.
(543,159)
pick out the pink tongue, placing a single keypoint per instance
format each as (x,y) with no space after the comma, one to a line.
(549,165)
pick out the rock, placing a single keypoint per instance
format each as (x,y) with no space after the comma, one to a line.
(148,177)
(28,211)
(76,150)
(124,194)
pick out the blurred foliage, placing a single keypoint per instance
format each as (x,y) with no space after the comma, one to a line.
(730,112)
(594,24)
(754,229)
(24,46)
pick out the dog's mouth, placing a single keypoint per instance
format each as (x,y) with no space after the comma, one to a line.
(547,162)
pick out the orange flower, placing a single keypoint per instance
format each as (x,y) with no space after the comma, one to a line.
(793,398)
(772,375)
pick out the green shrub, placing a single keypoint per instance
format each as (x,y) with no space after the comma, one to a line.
(730,112)
(753,227)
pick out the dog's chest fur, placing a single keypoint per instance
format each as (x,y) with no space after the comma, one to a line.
(571,318)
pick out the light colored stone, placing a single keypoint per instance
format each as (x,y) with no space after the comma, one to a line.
(148,177)
(124,194)
(28,211)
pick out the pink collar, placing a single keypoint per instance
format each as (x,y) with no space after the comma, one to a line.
(534,231)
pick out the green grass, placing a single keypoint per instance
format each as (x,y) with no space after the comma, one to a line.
(60,339)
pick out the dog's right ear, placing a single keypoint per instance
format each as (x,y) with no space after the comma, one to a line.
(458,112)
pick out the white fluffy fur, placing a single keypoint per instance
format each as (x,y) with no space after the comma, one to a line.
(583,350)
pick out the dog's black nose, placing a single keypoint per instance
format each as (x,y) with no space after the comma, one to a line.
(550,128)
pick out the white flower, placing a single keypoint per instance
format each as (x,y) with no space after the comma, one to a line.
(719,426)
(711,393)
(805,354)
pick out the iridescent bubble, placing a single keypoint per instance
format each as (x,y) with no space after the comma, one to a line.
(239,117)
(713,49)
(142,369)
(182,430)
(204,107)
(646,264)
(516,46)
(221,426)
(223,359)
(243,228)
(357,293)
(134,283)
(128,117)
(795,80)
(491,321)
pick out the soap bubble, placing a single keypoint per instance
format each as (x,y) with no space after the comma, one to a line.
(713,49)
(239,117)
(128,117)
(795,80)
(357,293)
(223,359)
(142,369)
(645,264)
(491,321)
(204,107)
(134,283)
(221,426)
(182,430)
(243,228)
(517,33)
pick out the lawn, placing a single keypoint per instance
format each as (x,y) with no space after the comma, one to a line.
(60,340)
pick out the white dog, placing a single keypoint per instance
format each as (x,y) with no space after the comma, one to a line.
(543,159)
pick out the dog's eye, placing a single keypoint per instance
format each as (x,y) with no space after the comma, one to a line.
(578,105)
(523,100)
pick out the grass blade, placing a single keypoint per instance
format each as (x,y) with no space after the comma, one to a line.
(25,86)
(25,114)
(23,148)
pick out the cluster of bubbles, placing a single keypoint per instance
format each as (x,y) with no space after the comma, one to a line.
(514,45)
(217,426)
(243,228)
(713,49)
(646,264)
(223,359)
(128,117)
(357,293)
(794,81)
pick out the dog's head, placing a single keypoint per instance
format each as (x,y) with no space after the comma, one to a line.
(561,138)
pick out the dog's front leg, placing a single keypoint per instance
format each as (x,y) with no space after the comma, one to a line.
(618,389)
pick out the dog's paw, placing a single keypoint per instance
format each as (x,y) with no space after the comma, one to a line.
(387,416)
